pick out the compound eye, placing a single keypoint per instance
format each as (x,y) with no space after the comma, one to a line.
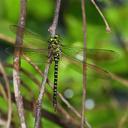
(56,36)
(51,39)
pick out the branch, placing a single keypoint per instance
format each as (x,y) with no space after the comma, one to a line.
(8,95)
(2,91)
(83,120)
(67,117)
(108,29)
(16,63)
(84,64)
(59,94)
(59,120)
(6,38)
(123,120)
(2,122)
(52,28)
(40,98)
(50,84)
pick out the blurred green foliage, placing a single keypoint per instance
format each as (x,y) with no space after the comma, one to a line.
(109,96)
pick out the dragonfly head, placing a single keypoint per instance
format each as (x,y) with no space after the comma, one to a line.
(54,46)
(56,36)
(55,40)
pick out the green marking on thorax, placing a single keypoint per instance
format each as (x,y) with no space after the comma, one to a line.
(54,48)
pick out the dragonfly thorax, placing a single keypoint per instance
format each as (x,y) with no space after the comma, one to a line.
(54,48)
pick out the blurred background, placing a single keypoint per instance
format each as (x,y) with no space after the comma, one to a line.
(107,96)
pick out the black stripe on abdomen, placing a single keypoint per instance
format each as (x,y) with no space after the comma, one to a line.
(55,83)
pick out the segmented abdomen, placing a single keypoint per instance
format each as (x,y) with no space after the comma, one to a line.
(56,59)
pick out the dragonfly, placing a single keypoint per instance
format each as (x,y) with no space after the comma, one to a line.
(53,51)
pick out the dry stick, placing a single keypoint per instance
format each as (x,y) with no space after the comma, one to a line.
(112,76)
(108,29)
(30,75)
(60,109)
(9,96)
(69,105)
(41,94)
(16,63)
(59,94)
(119,79)
(49,83)
(52,30)
(123,120)
(61,121)
(84,64)
(2,122)
(108,74)
(64,113)
(83,120)
(6,38)
(2,91)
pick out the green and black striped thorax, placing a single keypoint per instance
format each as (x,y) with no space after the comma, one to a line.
(54,48)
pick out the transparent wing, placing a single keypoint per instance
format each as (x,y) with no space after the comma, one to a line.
(72,53)
(38,56)
(34,41)
(97,71)
(75,56)
(33,46)
(99,55)
(31,39)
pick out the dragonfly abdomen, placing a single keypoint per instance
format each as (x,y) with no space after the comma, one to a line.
(56,60)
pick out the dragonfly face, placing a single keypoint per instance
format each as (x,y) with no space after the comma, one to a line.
(54,48)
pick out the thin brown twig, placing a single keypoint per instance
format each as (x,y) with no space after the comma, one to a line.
(59,94)
(63,112)
(60,109)
(112,76)
(2,91)
(16,62)
(24,71)
(119,79)
(49,83)
(59,120)
(6,38)
(109,74)
(84,64)
(8,95)
(2,122)
(41,94)
(108,29)
(123,120)
(69,105)
(42,90)
(52,28)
